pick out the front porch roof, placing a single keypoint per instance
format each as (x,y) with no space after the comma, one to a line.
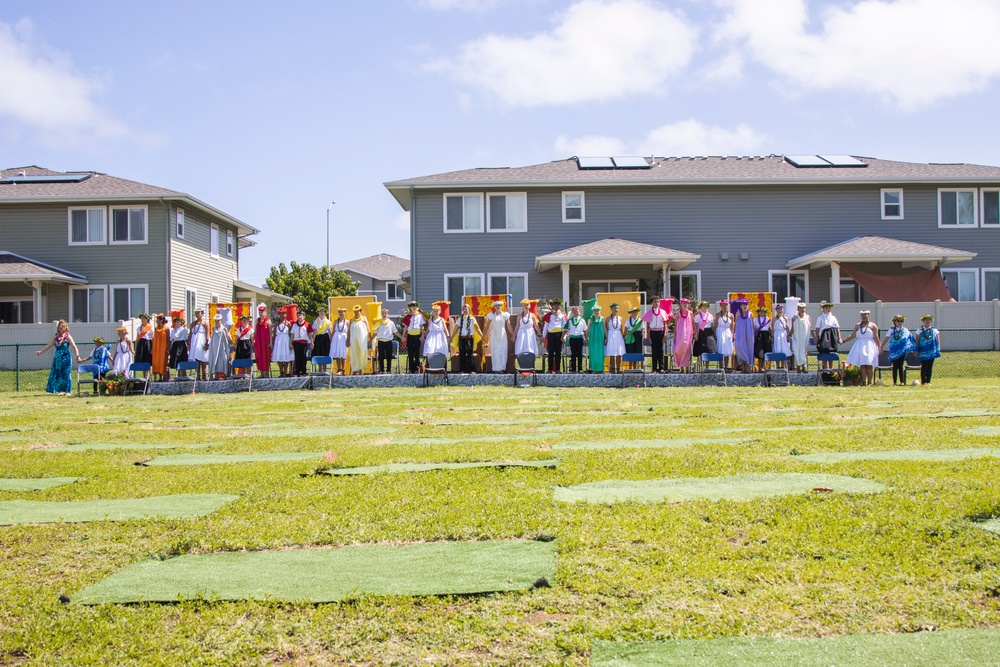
(255,291)
(612,251)
(868,249)
(17,268)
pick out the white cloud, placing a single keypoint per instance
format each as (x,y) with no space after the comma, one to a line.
(725,69)
(911,53)
(599,50)
(41,92)
(684,138)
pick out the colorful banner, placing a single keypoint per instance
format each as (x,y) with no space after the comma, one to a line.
(481,306)
(348,302)
(235,311)
(625,300)
(756,299)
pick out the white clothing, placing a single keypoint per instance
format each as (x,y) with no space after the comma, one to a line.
(385,332)
(555,323)
(801,330)
(499,343)
(724,335)
(436,341)
(657,320)
(702,321)
(465,325)
(198,337)
(178,333)
(417,322)
(825,321)
(245,335)
(525,340)
(338,340)
(281,350)
(864,351)
(615,345)
(577,329)
(123,358)
(300,332)
(782,326)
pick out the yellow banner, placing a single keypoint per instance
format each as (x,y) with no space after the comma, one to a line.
(756,299)
(236,311)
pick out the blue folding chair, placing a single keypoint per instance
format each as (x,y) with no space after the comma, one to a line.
(780,359)
(437,364)
(244,365)
(633,364)
(87,374)
(134,380)
(524,366)
(188,366)
(716,358)
(317,362)
(820,371)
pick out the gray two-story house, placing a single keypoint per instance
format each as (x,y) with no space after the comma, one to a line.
(89,247)
(381,276)
(835,227)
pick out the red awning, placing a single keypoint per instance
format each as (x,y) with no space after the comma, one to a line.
(923,286)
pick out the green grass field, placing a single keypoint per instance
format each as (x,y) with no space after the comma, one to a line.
(811,565)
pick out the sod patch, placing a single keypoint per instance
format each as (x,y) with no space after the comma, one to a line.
(954,414)
(901,455)
(328,575)
(956,648)
(735,487)
(474,438)
(304,432)
(981,431)
(424,467)
(992,525)
(83,446)
(13,512)
(590,426)
(212,459)
(37,484)
(626,444)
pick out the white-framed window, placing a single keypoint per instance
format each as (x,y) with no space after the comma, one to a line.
(963,284)
(17,311)
(214,298)
(128,224)
(463,213)
(87,304)
(86,225)
(957,207)
(685,285)
(230,243)
(190,304)
(789,283)
(991,284)
(591,288)
(515,284)
(892,204)
(990,206)
(127,301)
(507,212)
(393,292)
(457,285)
(213,241)
(179,224)
(574,207)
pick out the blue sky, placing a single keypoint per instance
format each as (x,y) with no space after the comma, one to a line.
(269,111)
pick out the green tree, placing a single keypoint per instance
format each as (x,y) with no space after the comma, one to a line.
(309,286)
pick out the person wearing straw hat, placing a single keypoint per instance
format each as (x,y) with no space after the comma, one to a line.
(526,330)
(864,352)
(161,348)
(615,346)
(497,338)
(358,340)
(762,336)
(723,326)
(464,339)
(596,335)
(414,327)
(262,342)
(781,331)
(900,342)
(827,332)
(576,331)
(178,340)
(928,347)
(553,325)
(634,330)
(281,345)
(338,340)
(218,349)
(198,337)
(801,326)
(121,359)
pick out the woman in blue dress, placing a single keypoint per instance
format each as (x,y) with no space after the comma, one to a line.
(61,374)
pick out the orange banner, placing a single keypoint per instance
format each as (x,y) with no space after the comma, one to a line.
(481,306)
(236,311)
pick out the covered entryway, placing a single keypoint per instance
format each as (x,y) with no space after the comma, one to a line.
(21,281)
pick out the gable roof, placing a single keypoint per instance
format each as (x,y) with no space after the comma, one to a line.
(708,170)
(615,251)
(102,187)
(863,249)
(380,267)
(14,267)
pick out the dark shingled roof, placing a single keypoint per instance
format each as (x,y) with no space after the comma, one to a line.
(380,267)
(18,267)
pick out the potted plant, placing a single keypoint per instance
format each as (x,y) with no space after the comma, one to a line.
(112,384)
(852,375)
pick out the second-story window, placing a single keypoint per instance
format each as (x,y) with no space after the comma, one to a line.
(230,244)
(507,212)
(892,204)
(86,226)
(573,207)
(463,213)
(128,225)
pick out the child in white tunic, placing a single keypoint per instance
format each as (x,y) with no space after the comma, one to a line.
(724,333)
(123,353)
(526,335)
(281,347)
(436,341)
(496,337)
(864,352)
(338,341)
(782,329)
(615,347)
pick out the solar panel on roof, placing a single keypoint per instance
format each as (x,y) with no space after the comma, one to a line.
(46,178)
(595,163)
(630,162)
(843,161)
(806,161)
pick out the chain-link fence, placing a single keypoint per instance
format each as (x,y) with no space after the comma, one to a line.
(966,353)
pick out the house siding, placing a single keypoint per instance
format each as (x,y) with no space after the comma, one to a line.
(193,267)
(774,224)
